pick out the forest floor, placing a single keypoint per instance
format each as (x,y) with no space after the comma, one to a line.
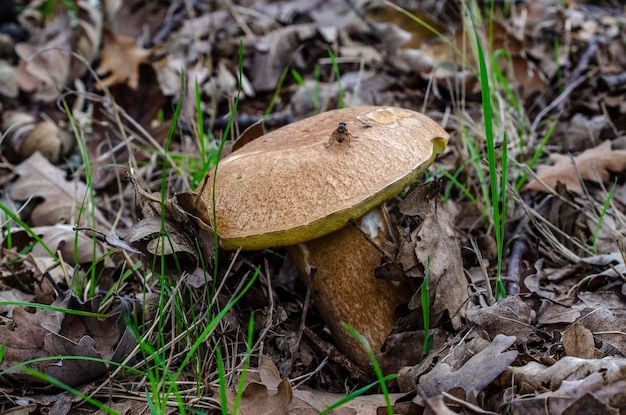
(114,297)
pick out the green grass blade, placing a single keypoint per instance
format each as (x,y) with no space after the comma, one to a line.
(377,370)
(341,103)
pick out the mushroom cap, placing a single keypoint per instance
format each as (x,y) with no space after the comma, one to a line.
(291,185)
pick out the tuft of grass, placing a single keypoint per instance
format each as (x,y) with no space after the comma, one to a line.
(205,142)
(341,103)
(490,189)
(428,336)
(315,94)
(222,381)
(277,90)
(603,213)
(497,179)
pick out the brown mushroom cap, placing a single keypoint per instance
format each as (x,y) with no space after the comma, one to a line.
(289,186)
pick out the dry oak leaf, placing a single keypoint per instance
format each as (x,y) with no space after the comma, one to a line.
(23,339)
(310,401)
(476,374)
(63,200)
(574,386)
(88,336)
(264,393)
(44,69)
(49,59)
(592,164)
(121,58)
(50,333)
(578,341)
(511,316)
(27,134)
(433,245)
(60,238)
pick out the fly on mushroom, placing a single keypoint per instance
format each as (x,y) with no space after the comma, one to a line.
(341,135)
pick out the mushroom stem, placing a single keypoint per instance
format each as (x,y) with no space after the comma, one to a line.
(344,287)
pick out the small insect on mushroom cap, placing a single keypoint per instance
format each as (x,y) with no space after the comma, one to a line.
(340,135)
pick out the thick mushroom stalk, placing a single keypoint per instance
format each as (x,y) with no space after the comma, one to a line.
(307,181)
(344,287)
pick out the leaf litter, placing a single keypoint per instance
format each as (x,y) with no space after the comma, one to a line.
(555,345)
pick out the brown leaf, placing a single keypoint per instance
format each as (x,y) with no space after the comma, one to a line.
(265,393)
(121,58)
(575,386)
(63,200)
(140,106)
(275,51)
(28,135)
(87,36)
(131,406)
(510,316)
(8,83)
(73,372)
(578,341)
(12,295)
(433,245)
(46,63)
(24,338)
(313,401)
(192,205)
(105,332)
(48,333)
(132,18)
(476,374)
(83,335)
(606,316)
(593,164)
(44,69)
(251,133)
(157,237)
(75,247)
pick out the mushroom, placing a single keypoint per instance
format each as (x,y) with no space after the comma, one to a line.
(308,186)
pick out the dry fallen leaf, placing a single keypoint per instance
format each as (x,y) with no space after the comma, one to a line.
(26,135)
(24,338)
(176,232)
(121,58)
(69,371)
(510,316)
(307,401)
(46,65)
(44,69)
(275,51)
(264,393)
(63,200)
(539,376)
(605,316)
(432,244)
(8,83)
(476,374)
(578,341)
(74,247)
(143,106)
(50,333)
(593,164)
(132,407)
